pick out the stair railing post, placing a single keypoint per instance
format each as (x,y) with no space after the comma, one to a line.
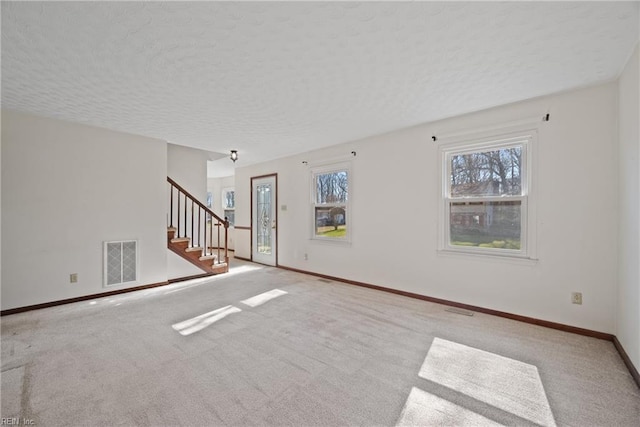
(199,221)
(218,245)
(211,236)
(171,207)
(226,241)
(192,236)
(178,216)
(185,215)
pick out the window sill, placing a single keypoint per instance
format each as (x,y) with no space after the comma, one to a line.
(330,241)
(513,259)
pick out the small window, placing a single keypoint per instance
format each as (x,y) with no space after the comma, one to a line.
(230,214)
(486,197)
(229,204)
(330,200)
(228,198)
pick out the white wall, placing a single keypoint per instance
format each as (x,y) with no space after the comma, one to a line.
(215,186)
(628,309)
(188,167)
(178,267)
(395,191)
(67,188)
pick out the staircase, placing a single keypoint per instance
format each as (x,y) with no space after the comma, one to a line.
(195,232)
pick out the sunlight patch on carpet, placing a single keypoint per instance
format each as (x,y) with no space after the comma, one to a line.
(425,409)
(195,324)
(504,383)
(264,297)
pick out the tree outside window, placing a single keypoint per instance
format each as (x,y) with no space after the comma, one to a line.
(486,197)
(330,200)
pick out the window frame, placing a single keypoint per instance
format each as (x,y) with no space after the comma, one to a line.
(345,166)
(527,140)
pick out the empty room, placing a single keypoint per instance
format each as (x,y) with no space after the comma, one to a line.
(320,213)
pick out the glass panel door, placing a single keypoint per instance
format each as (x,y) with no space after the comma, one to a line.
(264,220)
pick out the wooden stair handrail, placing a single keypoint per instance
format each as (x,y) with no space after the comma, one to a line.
(198,232)
(196,201)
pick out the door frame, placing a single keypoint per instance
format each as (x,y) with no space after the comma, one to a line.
(275,176)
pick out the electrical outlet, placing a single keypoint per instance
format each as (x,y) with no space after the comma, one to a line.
(576,297)
(73,278)
(306,257)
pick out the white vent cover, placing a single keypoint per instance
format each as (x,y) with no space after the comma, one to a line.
(120,262)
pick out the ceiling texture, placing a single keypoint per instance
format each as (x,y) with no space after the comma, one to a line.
(271,79)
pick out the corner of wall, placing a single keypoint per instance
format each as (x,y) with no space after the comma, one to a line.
(628,277)
(188,167)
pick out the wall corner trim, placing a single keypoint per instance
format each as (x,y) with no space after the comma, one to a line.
(627,361)
(185,278)
(79,299)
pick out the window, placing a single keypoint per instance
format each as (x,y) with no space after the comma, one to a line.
(229,204)
(330,200)
(486,197)
(230,214)
(229,198)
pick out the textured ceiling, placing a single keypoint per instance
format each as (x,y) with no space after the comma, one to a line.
(273,79)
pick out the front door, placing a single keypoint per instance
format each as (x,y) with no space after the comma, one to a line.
(264,219)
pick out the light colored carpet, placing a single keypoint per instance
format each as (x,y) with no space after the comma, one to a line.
(263,346)
(500,382)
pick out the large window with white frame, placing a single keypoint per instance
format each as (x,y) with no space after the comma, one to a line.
(331,213)
(486,196)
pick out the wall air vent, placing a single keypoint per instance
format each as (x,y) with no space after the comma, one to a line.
(120,262)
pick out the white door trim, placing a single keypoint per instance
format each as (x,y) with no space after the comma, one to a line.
(272,257)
